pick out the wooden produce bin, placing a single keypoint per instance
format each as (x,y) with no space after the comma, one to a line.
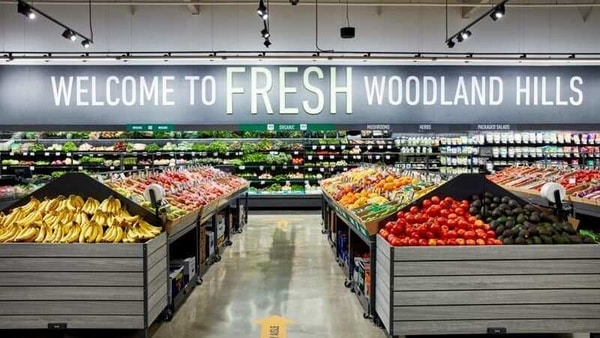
(489,289)
(82,286)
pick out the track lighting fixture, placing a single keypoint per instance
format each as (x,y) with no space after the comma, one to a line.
(26,10)
(262,10)
(265,33)
(267,43)
(498,12)
(32,12)
(463,36)
(294,2)
(69,35)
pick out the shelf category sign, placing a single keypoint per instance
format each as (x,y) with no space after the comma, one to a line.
(287,127)
(289,96)
(149,127)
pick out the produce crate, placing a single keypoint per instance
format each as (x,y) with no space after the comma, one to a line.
(82,286)
(488,289)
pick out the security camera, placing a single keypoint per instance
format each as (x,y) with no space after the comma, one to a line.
(294,2)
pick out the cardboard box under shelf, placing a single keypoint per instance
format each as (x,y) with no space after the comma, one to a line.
(172,226)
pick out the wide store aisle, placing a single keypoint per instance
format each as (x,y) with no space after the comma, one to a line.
(281,265)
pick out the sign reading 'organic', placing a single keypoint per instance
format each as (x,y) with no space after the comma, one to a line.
(219,94)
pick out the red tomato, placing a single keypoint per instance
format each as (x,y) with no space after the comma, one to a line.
(429,235)
(441,242)
(479,223)
(442,220)
(490,241)
(452,216)
(445,229)
(451,234)
(472,219)
(499,242)
(451,241)
(427,203)
(432,242)
(435,200)
(397,230)
(384,233)
(490,234)
(400,214)
(448,200)
(414,210)
(469,234)
(470,242)
(390,237)
(459,211)
(462,224)
(396,242)
(410,219)
(434,211)
(421,218)
(480,241)
(461,233)
(422,242)
(413,242)
(444,212)
(452,223)
(460,241)
(435,228)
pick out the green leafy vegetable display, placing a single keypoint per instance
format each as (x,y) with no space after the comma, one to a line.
(217,147)
(69,147)
(152,148)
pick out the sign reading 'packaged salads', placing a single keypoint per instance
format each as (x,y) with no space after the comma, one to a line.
(221,94)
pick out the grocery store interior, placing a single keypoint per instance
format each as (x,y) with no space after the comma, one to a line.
(299,168)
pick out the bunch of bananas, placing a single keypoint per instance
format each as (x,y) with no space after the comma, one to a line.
(73,220)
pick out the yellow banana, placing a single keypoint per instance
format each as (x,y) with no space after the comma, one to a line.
(41,234)
(9,233)
(99,235)
(26,234)
(119,236)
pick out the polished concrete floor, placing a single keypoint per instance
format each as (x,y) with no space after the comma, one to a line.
(280,265)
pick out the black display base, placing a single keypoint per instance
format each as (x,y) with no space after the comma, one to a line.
(275,202)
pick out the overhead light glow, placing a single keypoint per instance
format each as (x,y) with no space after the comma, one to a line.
(85,43)
(498,12)
(26,10)
(69,35)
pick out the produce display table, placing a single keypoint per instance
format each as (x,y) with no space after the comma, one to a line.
(479,290)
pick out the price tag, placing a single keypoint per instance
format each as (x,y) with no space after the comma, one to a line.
(314,147)
(31,154)
(146,167)
(377,157)
(80,168)
(144,154)
(69,154)
(357,157)
(46,154)
(387,157)
(343,146)
(284,167)
(345,169)
(12,154)
(295,152)
(112,167)
(242,167)
(287,183)
(310,169)
(273,167)
(306,182)
(134,167)
(572,180)
(158,153)
(32,168)
(193,153)
(320,157)
(262,182)
(57,153)
(380,147)
(345,157)
(369,147)
(310,158)
(181,154)
(227,154)
(323,147)
(4,168)
(389,146)
(332,147)
(332,157)
(172,154)
(295,167)
(261,167)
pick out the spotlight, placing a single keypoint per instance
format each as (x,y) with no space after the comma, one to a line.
(262,10)
(450,43)
(69,35)
(463,36)
(498,12)
(294,2)
(265,33)
(85,43)
(26,10)
(267,43)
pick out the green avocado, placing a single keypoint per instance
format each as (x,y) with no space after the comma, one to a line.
(520,240)
(537,240)
(546,239)
(508,241)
